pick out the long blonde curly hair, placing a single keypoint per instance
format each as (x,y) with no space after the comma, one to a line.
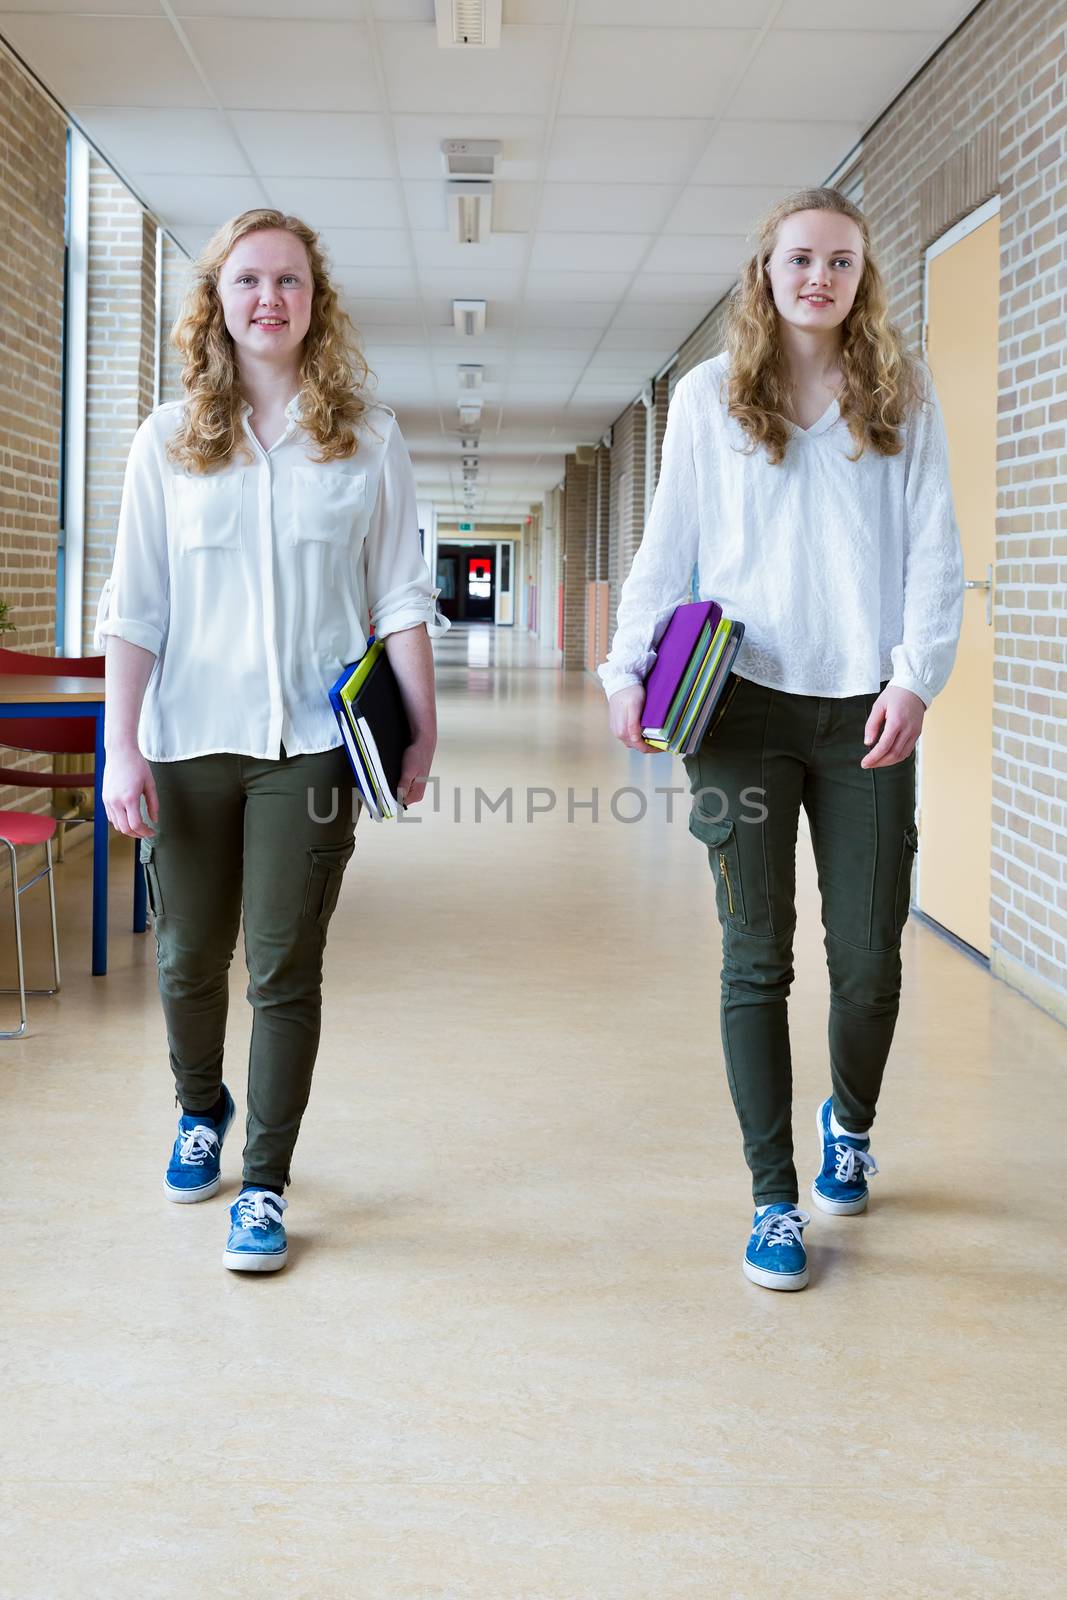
(333,372)
(882,382)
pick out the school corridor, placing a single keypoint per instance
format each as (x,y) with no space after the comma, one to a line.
(512,1353)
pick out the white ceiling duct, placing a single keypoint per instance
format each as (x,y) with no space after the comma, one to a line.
(468,24)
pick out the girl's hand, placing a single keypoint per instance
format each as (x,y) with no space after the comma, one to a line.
(902,713)
(127,776)
(415,769)
(624,712)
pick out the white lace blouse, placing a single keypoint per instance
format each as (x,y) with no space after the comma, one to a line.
(845,573)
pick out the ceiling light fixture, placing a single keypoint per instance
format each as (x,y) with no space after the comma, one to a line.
(470,377)
(470,210)
(469,316)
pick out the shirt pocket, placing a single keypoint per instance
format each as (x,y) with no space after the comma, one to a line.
(207,511)
(328,507)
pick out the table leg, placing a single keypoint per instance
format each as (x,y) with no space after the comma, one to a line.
(100,854)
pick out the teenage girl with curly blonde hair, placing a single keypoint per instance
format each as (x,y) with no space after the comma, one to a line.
(805,478)
(268,522)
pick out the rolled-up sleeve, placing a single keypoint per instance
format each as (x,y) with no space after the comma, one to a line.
(399,591)
(659,578)
(134,603)
(933,559)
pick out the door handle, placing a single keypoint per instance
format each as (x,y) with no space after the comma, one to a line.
(987,584)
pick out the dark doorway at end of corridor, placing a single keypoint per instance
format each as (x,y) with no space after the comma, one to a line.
(466,577)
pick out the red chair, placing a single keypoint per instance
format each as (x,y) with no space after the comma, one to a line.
(24,828)
(49,735)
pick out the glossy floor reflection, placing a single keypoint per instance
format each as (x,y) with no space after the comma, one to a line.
(513,1354)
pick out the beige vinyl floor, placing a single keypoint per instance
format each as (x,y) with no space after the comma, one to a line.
(513,1356)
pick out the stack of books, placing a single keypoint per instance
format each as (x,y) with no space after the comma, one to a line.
(686,683)
(374,725)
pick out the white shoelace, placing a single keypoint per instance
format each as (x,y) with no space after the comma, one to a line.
(781,1227)
(197,1144)
(847,1158)
(258,1208)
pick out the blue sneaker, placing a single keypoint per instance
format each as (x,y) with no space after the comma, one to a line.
(193,1173)
(257,1238)
(841,1185)
(776,1258)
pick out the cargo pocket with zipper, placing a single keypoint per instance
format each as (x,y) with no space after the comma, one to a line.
(721,841)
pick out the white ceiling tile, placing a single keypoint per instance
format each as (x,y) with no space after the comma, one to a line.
(513,207)
(427,205)
(162,139)
(125,8)
(530,342)
(288,66)
(420,77)
(575,286)
(696,252)
(722,208)
(394,336)
(647,150)
(338,202)
(270,10)
(918,15)
(638,341)
(368,247)
(672,13)
(320,144)
(564,314)
(105,60)
(437,248)
(402,10)
(351,247)
(766,151)
(389,313)
(700,289)
(797,75)
(199,201)
(471,283)
(419,138)
(676,72)
(534,11)
(610,207)
(682,315)
(373,283)
(613,253)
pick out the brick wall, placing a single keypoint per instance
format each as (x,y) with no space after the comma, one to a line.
(579,503)
(989,116)
(32,191)
(175,266)
(121,363)
(627,499)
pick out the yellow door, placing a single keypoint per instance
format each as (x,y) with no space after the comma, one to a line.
(956,749)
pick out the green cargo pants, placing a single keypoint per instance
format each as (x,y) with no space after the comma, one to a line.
(269,839)
(769,754)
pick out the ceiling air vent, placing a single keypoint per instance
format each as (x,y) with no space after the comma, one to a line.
(468,24)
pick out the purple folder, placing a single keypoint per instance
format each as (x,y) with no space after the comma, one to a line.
(672,657)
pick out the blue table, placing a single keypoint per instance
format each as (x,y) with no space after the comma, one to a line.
(55,695)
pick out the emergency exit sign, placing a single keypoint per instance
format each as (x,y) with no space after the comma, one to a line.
(466,527)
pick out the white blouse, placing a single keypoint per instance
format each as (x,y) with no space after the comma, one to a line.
(845,573)
(253,586)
